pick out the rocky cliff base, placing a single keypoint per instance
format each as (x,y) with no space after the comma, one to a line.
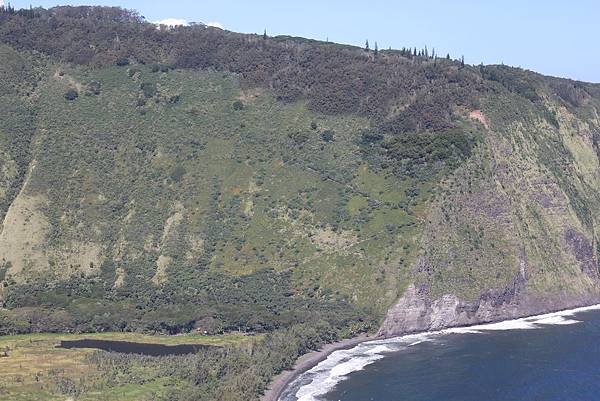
(416,312)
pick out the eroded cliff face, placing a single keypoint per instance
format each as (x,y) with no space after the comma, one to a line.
(415,311)
(514,232)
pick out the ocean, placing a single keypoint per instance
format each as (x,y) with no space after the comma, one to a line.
(552,357)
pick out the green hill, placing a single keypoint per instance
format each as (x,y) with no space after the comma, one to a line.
(166,180)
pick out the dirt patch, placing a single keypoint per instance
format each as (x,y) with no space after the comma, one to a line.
(478,115)
(59,75)
(173,221)
(120,277)
(333,241)
(249,208)
(249,95)
(161,269)
(23,236)
(253,188)
(149,245)
(196,247)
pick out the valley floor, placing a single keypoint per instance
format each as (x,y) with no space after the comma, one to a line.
(32,368)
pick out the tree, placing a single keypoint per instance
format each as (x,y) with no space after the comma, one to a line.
(265,35)
(376,49)
(367,45)
(462,61)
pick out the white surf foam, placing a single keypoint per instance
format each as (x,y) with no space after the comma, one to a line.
(379,349)
(336,368)
(516,324)
(323,377)
(557,320)
(526,323)
(407,340)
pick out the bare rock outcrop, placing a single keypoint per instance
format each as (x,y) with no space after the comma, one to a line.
(416,312)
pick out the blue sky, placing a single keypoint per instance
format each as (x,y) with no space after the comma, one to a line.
(554,37)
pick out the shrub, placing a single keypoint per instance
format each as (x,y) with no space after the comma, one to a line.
(159,68)
(71,95)
(238,105)
(149,89)
(327,136)
(178,173)
(370,137)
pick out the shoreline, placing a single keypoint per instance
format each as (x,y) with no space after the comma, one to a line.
(312,359)
(307,362)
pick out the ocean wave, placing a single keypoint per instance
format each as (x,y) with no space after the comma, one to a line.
(527,323)
(322,378)
(334,369)
(557,320)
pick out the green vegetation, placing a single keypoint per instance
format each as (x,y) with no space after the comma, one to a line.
(238,367)
(280,193)
(34,369)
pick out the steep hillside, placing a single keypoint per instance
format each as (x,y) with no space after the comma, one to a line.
(513,231)
(170,179)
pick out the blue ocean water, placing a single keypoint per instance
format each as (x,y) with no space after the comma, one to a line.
(554,357)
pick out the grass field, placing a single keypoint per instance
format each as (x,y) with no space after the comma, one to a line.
(35,369)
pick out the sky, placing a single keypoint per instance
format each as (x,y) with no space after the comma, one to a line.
(554,37)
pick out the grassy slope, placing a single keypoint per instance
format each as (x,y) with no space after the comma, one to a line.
(233,189)
(237,191)
(138,190)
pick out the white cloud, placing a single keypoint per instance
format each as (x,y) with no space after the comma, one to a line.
(1,3)
(179,22)
(215,24)
(170,22)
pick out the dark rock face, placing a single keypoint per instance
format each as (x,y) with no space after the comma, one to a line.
(583,250)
